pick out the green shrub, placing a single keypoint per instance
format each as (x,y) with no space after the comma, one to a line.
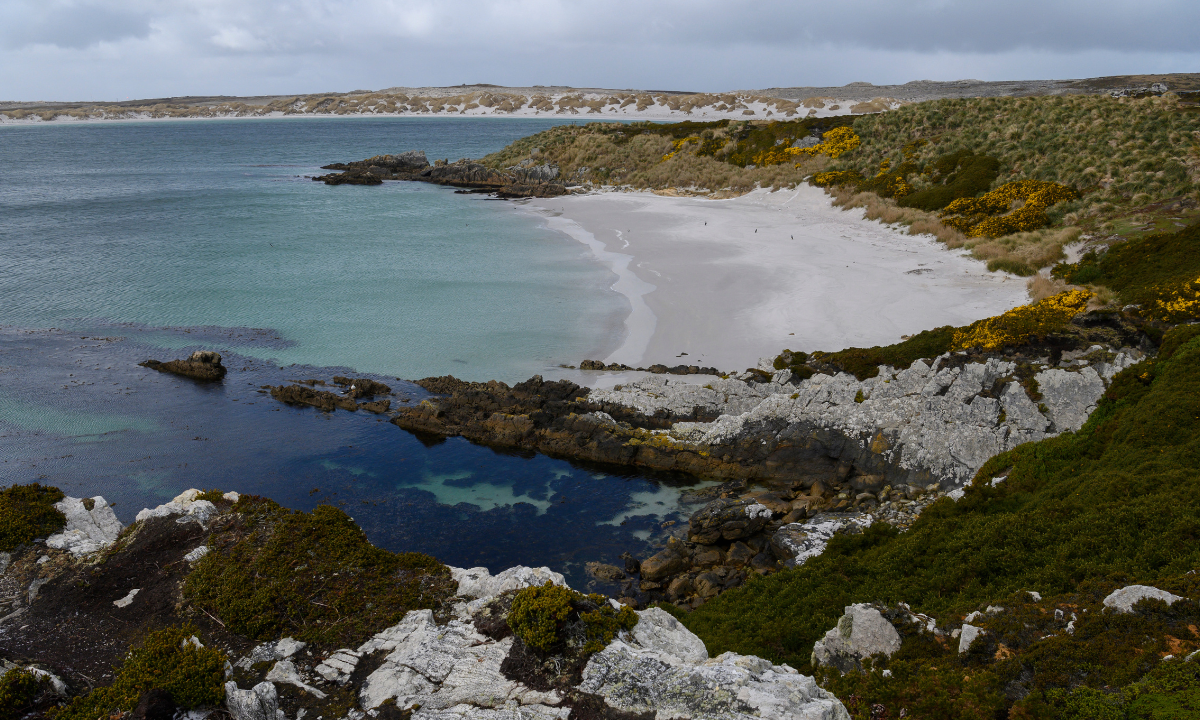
(956,175)
(542,616)
(313,575)
(19,688)
(1151,271)
(864,363)
(195,677)
(28,512)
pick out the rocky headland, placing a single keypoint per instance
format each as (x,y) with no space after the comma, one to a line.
(524,180)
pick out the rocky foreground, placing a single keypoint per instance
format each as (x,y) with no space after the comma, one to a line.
(81,597)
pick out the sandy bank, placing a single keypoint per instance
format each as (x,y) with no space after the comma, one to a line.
(730,281)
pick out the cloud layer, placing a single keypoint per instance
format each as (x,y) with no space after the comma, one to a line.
(112,49)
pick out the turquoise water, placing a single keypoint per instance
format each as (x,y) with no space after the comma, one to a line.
(120,242)
(215,223)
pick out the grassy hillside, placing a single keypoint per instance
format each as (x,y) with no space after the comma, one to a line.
(703,157)
(1075,517)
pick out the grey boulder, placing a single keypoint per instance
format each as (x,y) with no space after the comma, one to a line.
(86,530)
(862,632)
(1124,599)
(259,703)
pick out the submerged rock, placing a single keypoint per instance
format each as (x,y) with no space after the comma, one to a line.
(202,365)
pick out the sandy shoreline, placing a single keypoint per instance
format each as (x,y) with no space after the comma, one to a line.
(730,281)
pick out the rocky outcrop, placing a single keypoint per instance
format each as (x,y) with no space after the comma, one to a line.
(934,422)
(515,182)
(1123,600)
(454,670)
(91,526)
(203,365)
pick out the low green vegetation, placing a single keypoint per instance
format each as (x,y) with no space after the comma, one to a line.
(168,660)
(314,576)
(1160,272)
(27,512)
(864,363)
(548,616)
(19,690)
(697,156)
(1074,517)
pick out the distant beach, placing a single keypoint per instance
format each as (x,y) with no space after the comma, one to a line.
(730,281)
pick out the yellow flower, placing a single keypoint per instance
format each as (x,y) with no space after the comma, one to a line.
(1019,325)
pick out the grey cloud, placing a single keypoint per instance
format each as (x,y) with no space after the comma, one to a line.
(71,26)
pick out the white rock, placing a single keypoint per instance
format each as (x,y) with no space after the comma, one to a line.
(1070,396)
(196,554)
(259,703)
(729,686)
(232,496)
(1124,599)
(287,647)
(478,582)
(285,671)
(469,712)
(186,504)
(55,681)
(86,530)
(128,599)
(860,633)
(967,637)
(659,632)
(801,542)
(337,667)
(1034,595)
(935,421)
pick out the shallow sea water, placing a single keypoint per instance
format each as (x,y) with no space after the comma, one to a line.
(128,241)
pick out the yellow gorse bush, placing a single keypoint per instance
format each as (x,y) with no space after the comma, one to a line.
(836,177)
(1018,325)
(677,145)
(986,216)
(1176,304)
(835,143)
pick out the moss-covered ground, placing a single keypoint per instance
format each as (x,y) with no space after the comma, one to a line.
(168,660)
(314,576)
(27,512)
(1075,517)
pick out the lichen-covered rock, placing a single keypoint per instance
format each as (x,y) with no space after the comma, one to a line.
(799,542)
(478,582)
(658,631)
(727,518)
(967,637)
(931,422)
(1070,397)
(185,503)
(634,679)
(1124,599)
(338,667)
(259,703)
(862,632)
(442,666)
(87,529)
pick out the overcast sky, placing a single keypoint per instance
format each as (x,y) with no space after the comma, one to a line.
(117,49)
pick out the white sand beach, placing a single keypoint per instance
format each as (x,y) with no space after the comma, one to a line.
(730,281)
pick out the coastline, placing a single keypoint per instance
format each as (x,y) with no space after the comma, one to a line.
(725,282)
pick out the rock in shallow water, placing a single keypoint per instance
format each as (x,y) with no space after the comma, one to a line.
(203,365)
